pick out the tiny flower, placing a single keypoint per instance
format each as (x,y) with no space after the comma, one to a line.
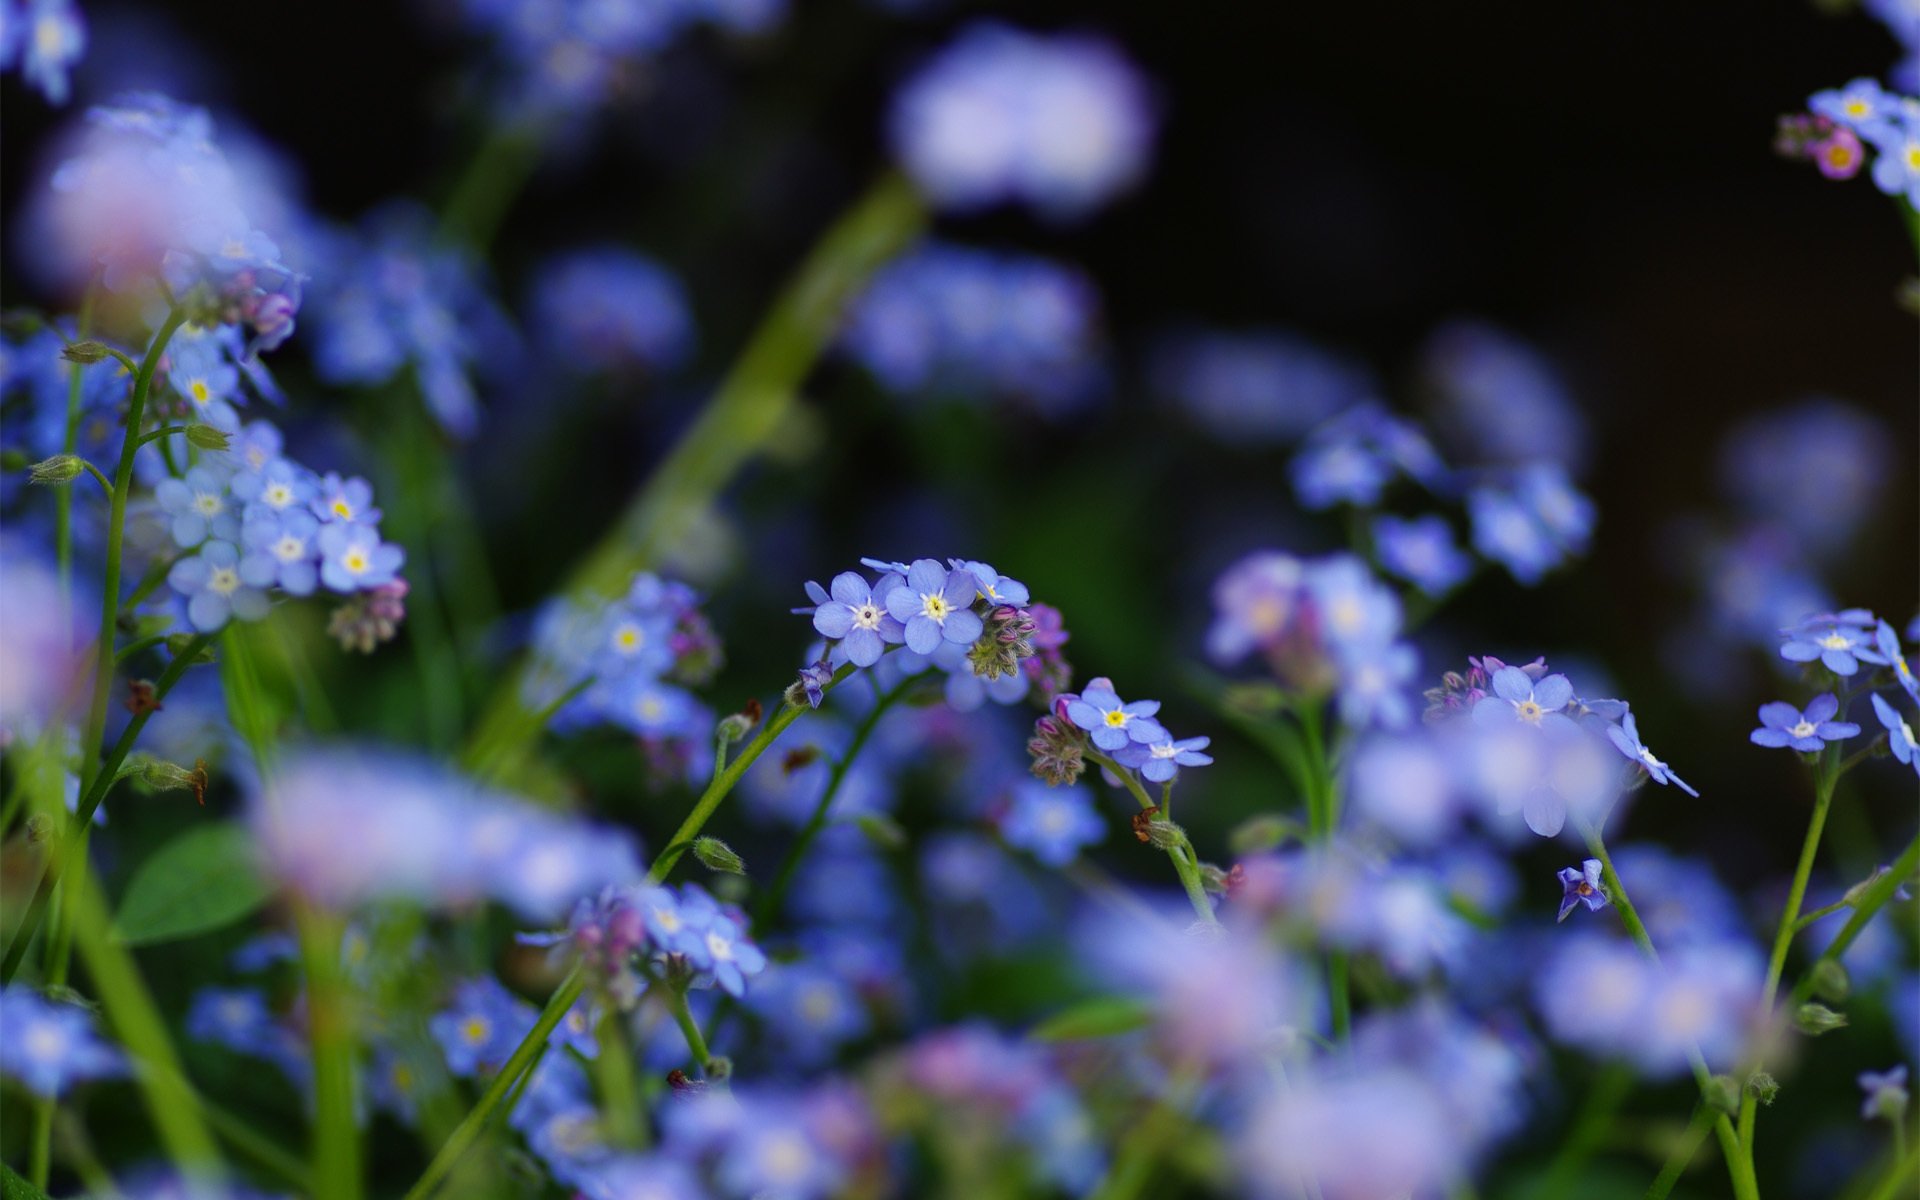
(278,485)
(1051,823)
(50,1047)
(1517,698)
(1161,760)
(1899,734)
(347,501)
(1422,552)
(200,507)
(1888,644)
(1839,641)
(858,619)
(1626,739)
(1839,154)
(282,551)
(1111,723)
(214,588)
(354,557)
(995,588)
(1581,885)
(1781,724)
(1886,1094)
(812,684)
(936,605)
(1860,105)
(369,618)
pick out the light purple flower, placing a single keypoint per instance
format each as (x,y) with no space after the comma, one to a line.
(1781,724)
(354,557)
(1113,724)
(214,588)
(1626,739)
(1581,885)
(200,507)
(855,616)
(1840,641)
(935,605)
(1161,759)
(1517,698)
(1886,1094)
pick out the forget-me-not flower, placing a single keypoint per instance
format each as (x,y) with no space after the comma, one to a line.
(1781,724)
(1899,734)
(1111,722)
(1581,885)
(858,618)
(1626,739)
(936,605)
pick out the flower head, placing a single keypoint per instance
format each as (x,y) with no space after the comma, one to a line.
(934,605)
(1518,699)
(1051,823)
(1581,885)
(1839,641)
(855,615)
(1900,740)
(1626,739)
(1781,724)
(1109,721)
(354,558)
(1886,1094)
(215,589)
(1161,759)
(49,1046)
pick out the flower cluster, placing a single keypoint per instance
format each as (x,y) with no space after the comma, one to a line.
(980,325)
(149,204)
(1840,647)
(1060,123)
(630,933)
(1843,122)
(1603,995)
(346,827)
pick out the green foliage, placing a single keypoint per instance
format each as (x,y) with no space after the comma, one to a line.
(1100,1017)
(200,881)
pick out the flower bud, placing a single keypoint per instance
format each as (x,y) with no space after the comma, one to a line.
(1214,879)
(61,468)
(1164,835)
(206,437)
(39,828)
(719,1067)
(83,352)
(1830,980)
(163,776)
(1763,1087)
(141,697)
(734,727)
(1816,1019)
(716,855)
(882,830)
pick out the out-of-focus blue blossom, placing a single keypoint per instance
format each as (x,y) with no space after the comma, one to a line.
(1541,521)
(1062,123)
(609,309)
(980,325)
(147,200)
(1111,722)
(50,1046)
(808,1011)
(1374,1131)
(346,826)
(786,787)
(274,488)
(988,901)
(394,297)
(1896,161)
(1840,641)
(1815,470)
(212,585)
(281,552)
(1781,724)
(1421,551)
(1266,387)
(353,558)
(1886,1094)
(1902,19)
(641,1177)
(1051,823)
(482,1027)
(1581,885)
(1604,996)
(1503,397)
(1888,644)
(1861,105)
(1899,734)
(1351,458)
(40,657)
(1405,786)
(1518,698)
(200,507)
(722,947)
(44,38)
(1679,899)
(1626,739)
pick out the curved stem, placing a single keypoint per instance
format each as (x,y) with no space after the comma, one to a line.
(689,1028)
(1870,902)
(723,782)
(1683,1152)
(1185,862)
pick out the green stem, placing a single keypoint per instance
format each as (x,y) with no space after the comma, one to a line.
(63,497)
(750,407)
(1870,902)
(1141,1149)
(1783,936)
(619,1092)
(1590,1127)
(689,1028)
(769,903)
(1739,1169)
(82,819)
(1185,865)
(1906,1167)
(493,178)
(1683,1153)
(723,783)
(40,1143)
(472,1125)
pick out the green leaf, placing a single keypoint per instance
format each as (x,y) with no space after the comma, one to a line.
(203,880)
(14,1186)
(1102,1016)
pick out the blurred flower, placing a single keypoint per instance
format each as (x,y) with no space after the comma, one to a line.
(607,308)
(980,325)
(1533,526)
(1063,123)
(49,1046)
(1606,997)
(40,659)
(1262,387)
(199,507)
(353,558)
(1350,458)
(1888,644)
(1815,470)
(211,584)
(1421,551)
(1508,404)
(1781,724)
(1886,1094)
(1051,823)
(1900,739)
(46,37)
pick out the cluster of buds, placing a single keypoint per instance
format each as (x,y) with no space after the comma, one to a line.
(370,617)
(1833,148)
(811,687)
(607,933)
(1058,746)
(1047,669)
(1005,641)
(697,656)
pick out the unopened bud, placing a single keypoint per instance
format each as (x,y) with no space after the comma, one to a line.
(142,698)
(1165,835)
(1830,980)
(733,728)
(83,352)
(1816,1019)
(883,830)
(161,775)
(1763,1087)
(61,468)
(716,855)
(1858,891)
(206,437)
(1723,1094)
(1214,879)
(719,1067)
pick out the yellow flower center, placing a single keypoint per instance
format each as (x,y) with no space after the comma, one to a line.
(476,1030)
(200,392)
(342,509)
(934,605)
(278,495)
(1528,711)
(208,504)
(1116,719)
(354,560)
(224,580)
(1834,641)
(629,638)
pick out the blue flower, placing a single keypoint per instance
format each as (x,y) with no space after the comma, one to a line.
(1896,166)
(1886,1094)
(354,557)
(719,942)
(936,605)
(1535,525)
(282,550)
(344,501)
(50,1047)
(1422,552)
(1517,698)
(214,589)
(1840,641)
(277,486)
(606,308)
(1781,724)
(1888,644)
(858,618)
(1111,723)
(1502,397)
(1051,823)
(1161,760)
(52,38)
(1861,106)
(1899,734)
(1581,885)
(1372,684)
(1264,387)
(482,1028)
(1626,739)
(996,589)
(200,507)
(814,679)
